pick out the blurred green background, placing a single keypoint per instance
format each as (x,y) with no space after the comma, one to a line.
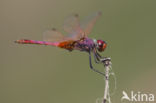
(44,74)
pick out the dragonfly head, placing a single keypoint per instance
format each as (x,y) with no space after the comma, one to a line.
(100,45)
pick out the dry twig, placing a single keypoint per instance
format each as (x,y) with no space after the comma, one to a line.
(107,64)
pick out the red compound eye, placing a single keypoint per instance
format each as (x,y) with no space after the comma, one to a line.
(101,45)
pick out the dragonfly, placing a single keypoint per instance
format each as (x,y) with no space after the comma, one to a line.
(77,38)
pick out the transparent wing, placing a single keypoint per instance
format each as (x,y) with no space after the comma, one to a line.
(72,26)
(89,22)
(77,30)
(53,36)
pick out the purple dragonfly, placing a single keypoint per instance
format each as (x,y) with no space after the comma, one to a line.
(76,40)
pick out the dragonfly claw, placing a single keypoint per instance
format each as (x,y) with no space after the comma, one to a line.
(106,61)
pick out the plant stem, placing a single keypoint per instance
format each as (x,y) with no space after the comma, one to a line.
(107,64)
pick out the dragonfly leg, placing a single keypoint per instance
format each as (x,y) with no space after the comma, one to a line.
(97,56)
(99,59)
(91,66)
(96,59)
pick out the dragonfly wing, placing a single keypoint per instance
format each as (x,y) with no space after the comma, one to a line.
(72,26)
(89,22)
(53,36)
